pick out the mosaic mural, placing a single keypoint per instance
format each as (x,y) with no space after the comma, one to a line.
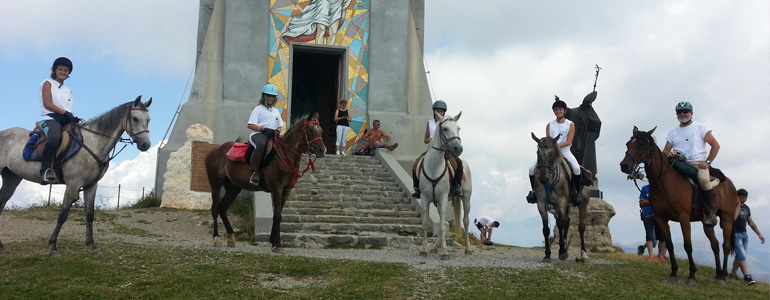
(328,22)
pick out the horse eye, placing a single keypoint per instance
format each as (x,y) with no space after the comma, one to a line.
(135,119)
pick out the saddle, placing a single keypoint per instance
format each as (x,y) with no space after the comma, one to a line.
(33,149)
(586,176)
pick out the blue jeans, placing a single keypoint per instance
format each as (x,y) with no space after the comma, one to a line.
(741,244)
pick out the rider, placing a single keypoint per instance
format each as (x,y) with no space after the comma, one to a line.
(440,108)
(56,111)
(265,123)
(565,129)
(690,139)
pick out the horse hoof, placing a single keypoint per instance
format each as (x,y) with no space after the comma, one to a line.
(96,252)
(718,281)
(445,257)
(423,254)
(691,281)
(54,254)
(563,256)
(279,250)
(672,279)
(230,240)
(547,260)
(468,252)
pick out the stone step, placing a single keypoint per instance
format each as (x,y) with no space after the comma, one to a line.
(350,220)
(311,240)
(347,229)
(400,204)
(321,193)
(310,211)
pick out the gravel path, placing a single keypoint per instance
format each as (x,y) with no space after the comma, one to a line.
(191,229)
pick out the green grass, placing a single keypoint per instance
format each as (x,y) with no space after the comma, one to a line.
(128,271)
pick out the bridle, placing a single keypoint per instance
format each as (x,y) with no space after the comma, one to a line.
(127,128)
(555,174)
(636,174)
(310,162)
(444,140)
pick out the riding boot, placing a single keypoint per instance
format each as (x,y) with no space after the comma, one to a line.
(416,185)
(578,184)
(458,187)
(254,165)
(531,198)
(46,173)
(708,201)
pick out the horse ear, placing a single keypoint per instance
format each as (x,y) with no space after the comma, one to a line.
(652,130)
(137,100)
(556,139)
(313,116)
(534,137)
(635,130)
(457,117)
(147,104)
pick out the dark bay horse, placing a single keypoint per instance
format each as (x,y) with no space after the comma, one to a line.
(84,169)
(671,198)
(552,189)
(279,175)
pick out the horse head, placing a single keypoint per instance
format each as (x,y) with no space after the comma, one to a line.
(548,155)
(137,123)
(639,150)
(313,136)
(449,133)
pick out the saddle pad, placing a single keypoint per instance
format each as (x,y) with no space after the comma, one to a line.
(238,152)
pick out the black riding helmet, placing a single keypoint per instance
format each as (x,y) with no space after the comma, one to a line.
(558,103)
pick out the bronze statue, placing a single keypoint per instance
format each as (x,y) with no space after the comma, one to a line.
(587,128)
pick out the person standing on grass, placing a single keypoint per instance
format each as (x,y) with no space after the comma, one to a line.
(651,230)
(741,238)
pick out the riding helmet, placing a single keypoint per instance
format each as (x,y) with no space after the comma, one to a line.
(439,104)
(684,105)
(558,103)
(62,61)
(270,89)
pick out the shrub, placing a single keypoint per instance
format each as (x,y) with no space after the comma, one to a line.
(147,202)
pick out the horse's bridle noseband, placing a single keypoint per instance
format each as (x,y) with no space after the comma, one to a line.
(444,139)
(130,129)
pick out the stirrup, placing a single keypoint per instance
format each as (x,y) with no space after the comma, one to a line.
(416,193)
(47,176)
(254,179)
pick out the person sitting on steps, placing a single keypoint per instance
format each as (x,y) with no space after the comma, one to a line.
(374,138)
(265,123)
(440,108)
(565,130)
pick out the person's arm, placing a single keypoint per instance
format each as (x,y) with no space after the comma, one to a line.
(337,115)
(756,229)
(548,130)
(365,137)
(570,135)
(350,119)
(643,202)
(737,211)
(255,127)
(427,133)
(489,233)
(47,100)
(386,136)
(667,150)
(712,141)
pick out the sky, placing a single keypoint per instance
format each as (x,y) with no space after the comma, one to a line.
(499,62)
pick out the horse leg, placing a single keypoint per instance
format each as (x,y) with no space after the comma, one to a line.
(443,203)
(10,183)
(563,224)
(666,230)
(718,277)
(546,233)
(582,229)
(70,196)
(275,232)
(231,191)
(466,221)
(215,200)
(686,234)
(89,196)
(425,228)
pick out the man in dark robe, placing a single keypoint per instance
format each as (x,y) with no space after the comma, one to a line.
(587,127)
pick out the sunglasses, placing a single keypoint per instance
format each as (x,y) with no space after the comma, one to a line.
(678,112)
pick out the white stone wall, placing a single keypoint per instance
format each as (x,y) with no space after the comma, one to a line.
(176,191)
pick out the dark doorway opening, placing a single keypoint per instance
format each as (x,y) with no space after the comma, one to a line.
(315,87)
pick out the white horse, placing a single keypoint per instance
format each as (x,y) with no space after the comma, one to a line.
(435,181)
(84,169)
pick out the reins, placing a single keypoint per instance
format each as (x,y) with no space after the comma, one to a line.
(128,129)
(310,163)
(553,180)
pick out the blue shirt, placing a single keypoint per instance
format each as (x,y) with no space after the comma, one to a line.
(645,195)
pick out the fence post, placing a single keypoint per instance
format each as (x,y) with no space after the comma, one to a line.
(118,197)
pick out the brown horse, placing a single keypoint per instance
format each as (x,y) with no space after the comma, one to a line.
(552,189)
(671,198)
(278,175)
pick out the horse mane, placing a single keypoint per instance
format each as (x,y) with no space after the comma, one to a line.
(647,138)
(296,123)
(108,121)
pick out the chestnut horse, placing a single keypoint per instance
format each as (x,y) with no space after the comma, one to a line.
(671,198)
(278,175)
(552,189)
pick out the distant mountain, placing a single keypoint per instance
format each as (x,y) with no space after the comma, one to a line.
(758,259)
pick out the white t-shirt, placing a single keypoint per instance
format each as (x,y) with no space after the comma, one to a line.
(690,141)
(60,96)
(432,127)
(265,117)
(485,221)
(556,129)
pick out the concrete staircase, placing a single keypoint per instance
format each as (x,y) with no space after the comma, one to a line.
(349,201)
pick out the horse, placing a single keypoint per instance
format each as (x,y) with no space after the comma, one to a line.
(552,189)
(278,175)
(435,181)
(671,198)
(84,169)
